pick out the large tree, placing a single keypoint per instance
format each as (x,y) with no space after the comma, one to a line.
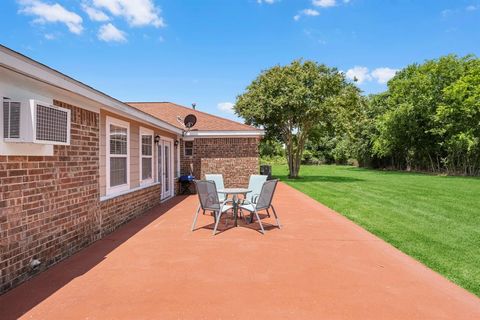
(290,101)
(430,112)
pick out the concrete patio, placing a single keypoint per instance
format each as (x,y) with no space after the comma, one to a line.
(319,266)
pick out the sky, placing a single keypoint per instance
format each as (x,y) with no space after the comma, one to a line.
(208,51)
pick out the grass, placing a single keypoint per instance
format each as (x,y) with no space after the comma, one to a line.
(435,219)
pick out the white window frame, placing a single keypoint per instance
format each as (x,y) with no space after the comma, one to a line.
(145,132)
(123,124)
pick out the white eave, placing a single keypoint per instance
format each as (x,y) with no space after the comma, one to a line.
(224,133)
(19,63)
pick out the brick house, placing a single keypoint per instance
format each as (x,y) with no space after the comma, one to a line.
(215,144)
(75,163)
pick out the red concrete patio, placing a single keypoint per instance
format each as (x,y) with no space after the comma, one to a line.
(319,266)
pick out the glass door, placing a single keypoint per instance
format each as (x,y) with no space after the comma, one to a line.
(167,168)
(164,168)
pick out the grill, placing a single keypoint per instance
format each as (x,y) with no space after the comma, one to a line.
(186,184)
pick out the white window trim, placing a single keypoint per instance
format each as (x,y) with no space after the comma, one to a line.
(123,124)
(145,132)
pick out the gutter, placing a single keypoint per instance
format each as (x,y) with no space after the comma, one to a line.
(224,133)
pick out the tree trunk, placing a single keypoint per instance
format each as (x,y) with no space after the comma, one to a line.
(295,168)
(295,155)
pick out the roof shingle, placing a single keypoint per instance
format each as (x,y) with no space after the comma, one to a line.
(168,112)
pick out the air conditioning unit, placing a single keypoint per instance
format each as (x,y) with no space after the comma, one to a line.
(35,122)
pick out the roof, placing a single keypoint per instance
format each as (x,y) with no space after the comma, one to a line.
(22,64)
(168,112)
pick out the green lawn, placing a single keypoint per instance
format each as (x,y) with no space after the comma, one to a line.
(435,219)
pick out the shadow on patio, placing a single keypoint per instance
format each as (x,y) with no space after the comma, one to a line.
(319,265)
(34,291)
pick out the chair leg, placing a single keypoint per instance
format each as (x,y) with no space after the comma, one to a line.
(268,213)
(276,217)
(195,218)
(226,218)
(243,216)
(218,220)
(260,222)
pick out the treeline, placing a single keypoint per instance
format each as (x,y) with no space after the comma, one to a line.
(427,120)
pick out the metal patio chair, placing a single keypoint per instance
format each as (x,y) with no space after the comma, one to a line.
(262,202)
(218,179)
(255,184)
(208,198)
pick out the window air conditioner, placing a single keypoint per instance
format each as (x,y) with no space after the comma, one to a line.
(35,122)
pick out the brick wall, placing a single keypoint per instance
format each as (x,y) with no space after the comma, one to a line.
(122,209)
(49,205)
(235,158)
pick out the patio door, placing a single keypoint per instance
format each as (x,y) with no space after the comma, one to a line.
(165,167)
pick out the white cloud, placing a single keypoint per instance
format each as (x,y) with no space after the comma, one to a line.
(52,13)
(267,1)
(472,7)
(310,12)
(358,73)
(306,12)
(447,12)
(109,33)
(50,36)
(324,3)
(362,74)
(137,12)
(94,14)
(226,107)
(382,75)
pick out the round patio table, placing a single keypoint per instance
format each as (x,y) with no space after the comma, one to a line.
(235,201)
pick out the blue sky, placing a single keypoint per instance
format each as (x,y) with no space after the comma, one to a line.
(208,51)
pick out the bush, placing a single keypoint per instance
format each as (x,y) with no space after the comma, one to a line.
(274,160)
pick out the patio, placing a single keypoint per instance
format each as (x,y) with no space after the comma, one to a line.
(319,265)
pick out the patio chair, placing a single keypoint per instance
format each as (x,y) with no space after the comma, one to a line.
(255,184)
(263,202)
(208,198)
(218,179)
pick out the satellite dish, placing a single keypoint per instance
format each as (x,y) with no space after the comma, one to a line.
(189,121)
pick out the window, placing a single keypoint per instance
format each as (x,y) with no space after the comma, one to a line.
(118,160)
(188,148)
(146,155)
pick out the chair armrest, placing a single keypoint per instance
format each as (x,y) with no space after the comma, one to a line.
(245,201)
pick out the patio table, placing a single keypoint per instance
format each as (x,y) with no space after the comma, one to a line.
(235,201)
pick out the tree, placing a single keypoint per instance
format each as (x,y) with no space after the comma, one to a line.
(289,101)
(408,130)
(458,122)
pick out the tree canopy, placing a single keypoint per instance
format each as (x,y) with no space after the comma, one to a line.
(428,119)
(289,102)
